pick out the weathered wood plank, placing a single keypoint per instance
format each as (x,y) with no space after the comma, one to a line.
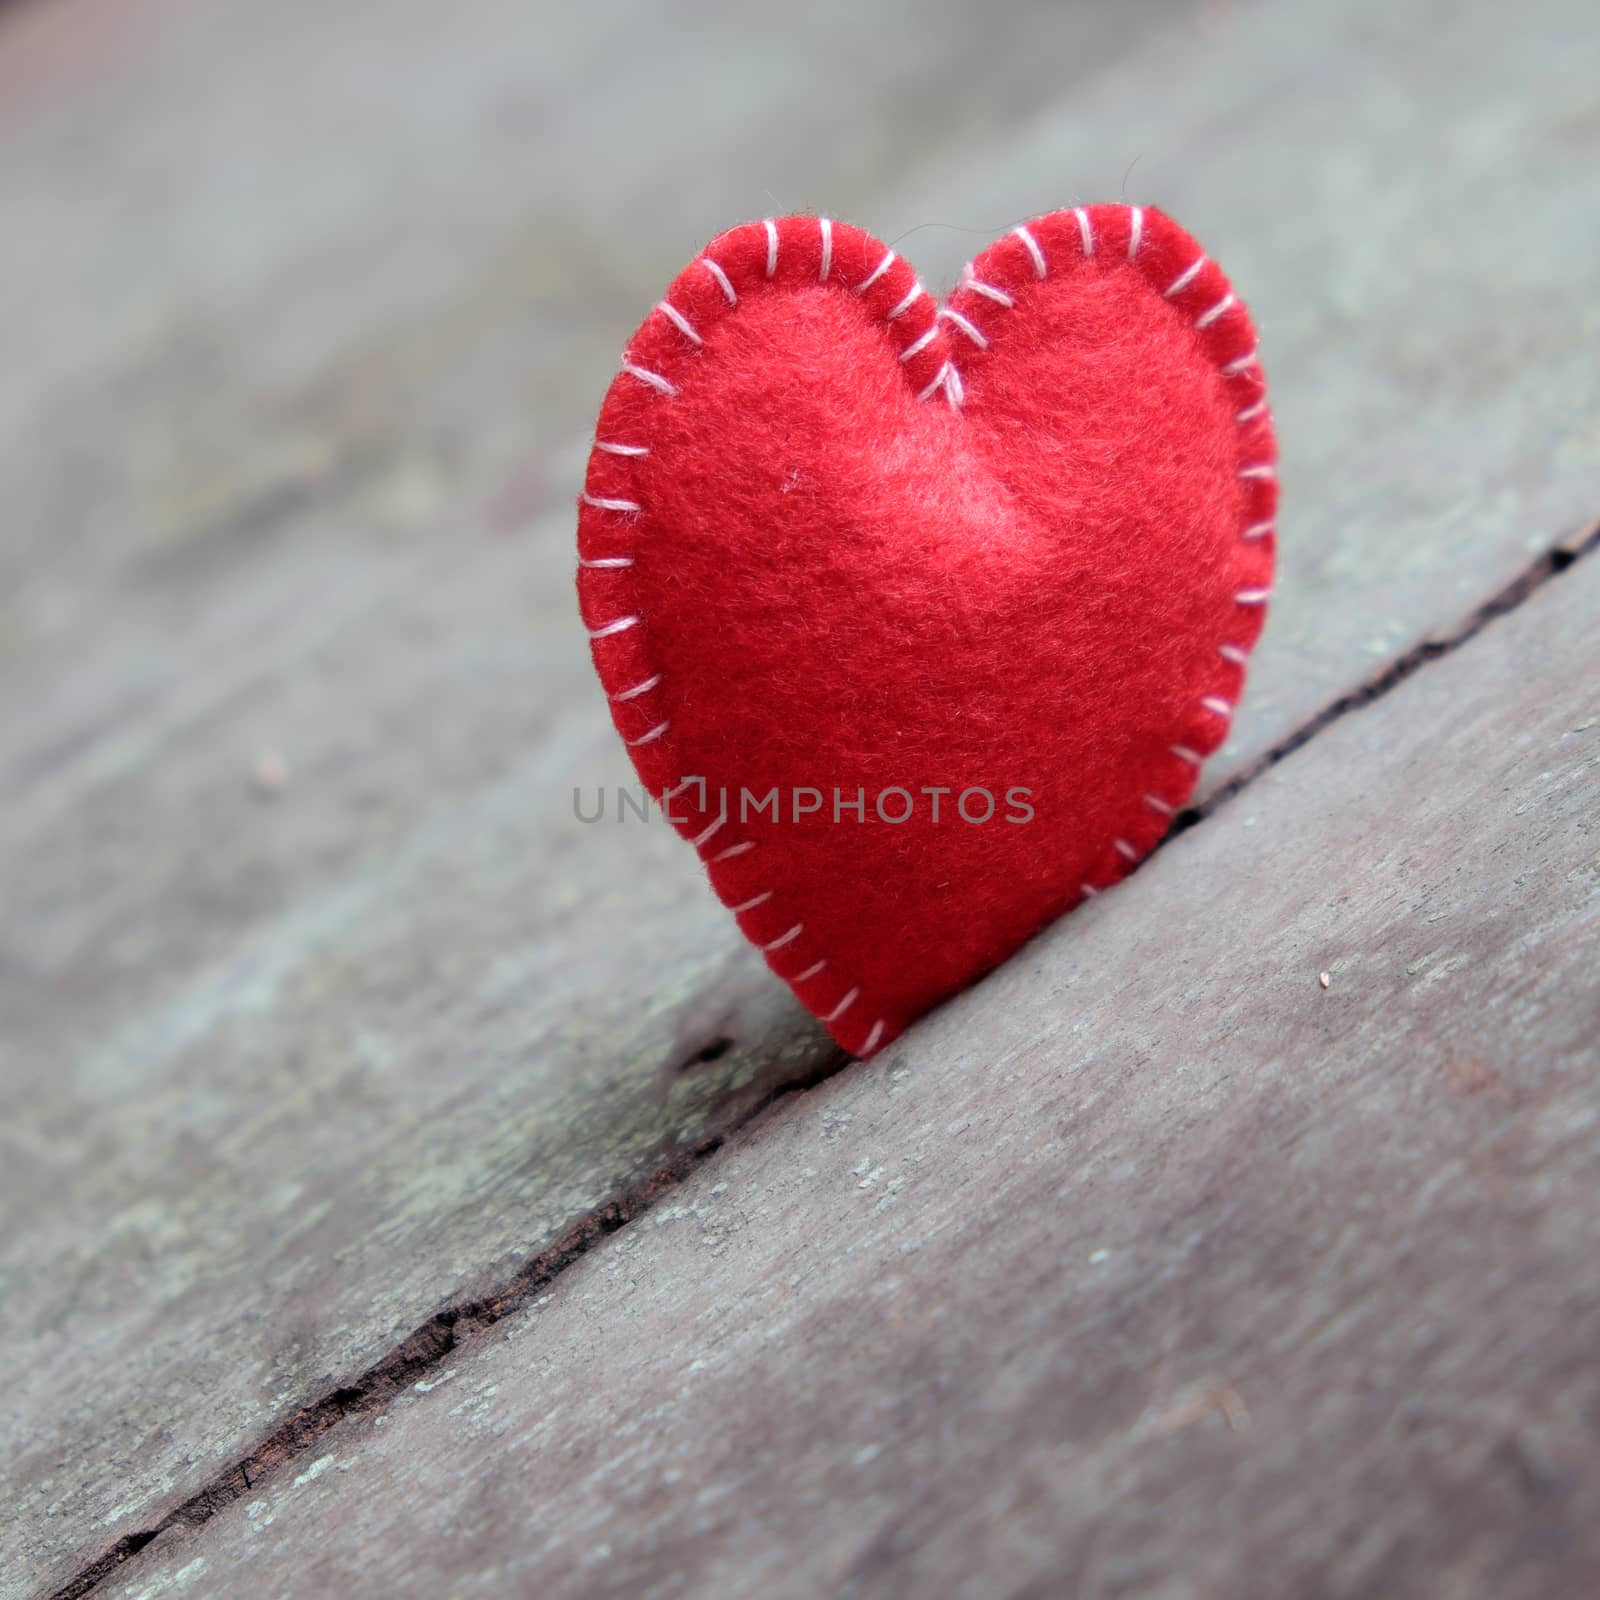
(294,373)
(317,1055)
(1151,1266)
(342,255)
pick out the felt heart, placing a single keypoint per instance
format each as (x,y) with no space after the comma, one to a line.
(921,620)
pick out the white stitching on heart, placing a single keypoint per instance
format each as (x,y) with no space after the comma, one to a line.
(716,822)
(605,503)
(987,290)
(913,294)
(679,321)
(843,1006)
(941,380)
(723,282)
(947,378)
(1039,267)
(638,689)
(1184,278)
(957,320)
(654,379)
(877,272)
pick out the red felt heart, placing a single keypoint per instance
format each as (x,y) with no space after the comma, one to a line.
(839,542)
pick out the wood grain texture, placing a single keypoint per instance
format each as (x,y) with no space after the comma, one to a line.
(305,319)
(1150,1267)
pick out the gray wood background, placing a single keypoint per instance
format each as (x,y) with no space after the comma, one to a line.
(1150,1266)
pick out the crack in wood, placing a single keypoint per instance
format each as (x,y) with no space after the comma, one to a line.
(1550,563)
(460,1327)
(453,1330)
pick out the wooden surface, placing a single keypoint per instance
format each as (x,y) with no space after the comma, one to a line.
(305,315)
(1149,1267)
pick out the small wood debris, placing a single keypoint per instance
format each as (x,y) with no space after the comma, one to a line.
(1221,1399)
(269,774)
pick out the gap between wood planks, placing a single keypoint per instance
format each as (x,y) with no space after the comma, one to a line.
(462,1326)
